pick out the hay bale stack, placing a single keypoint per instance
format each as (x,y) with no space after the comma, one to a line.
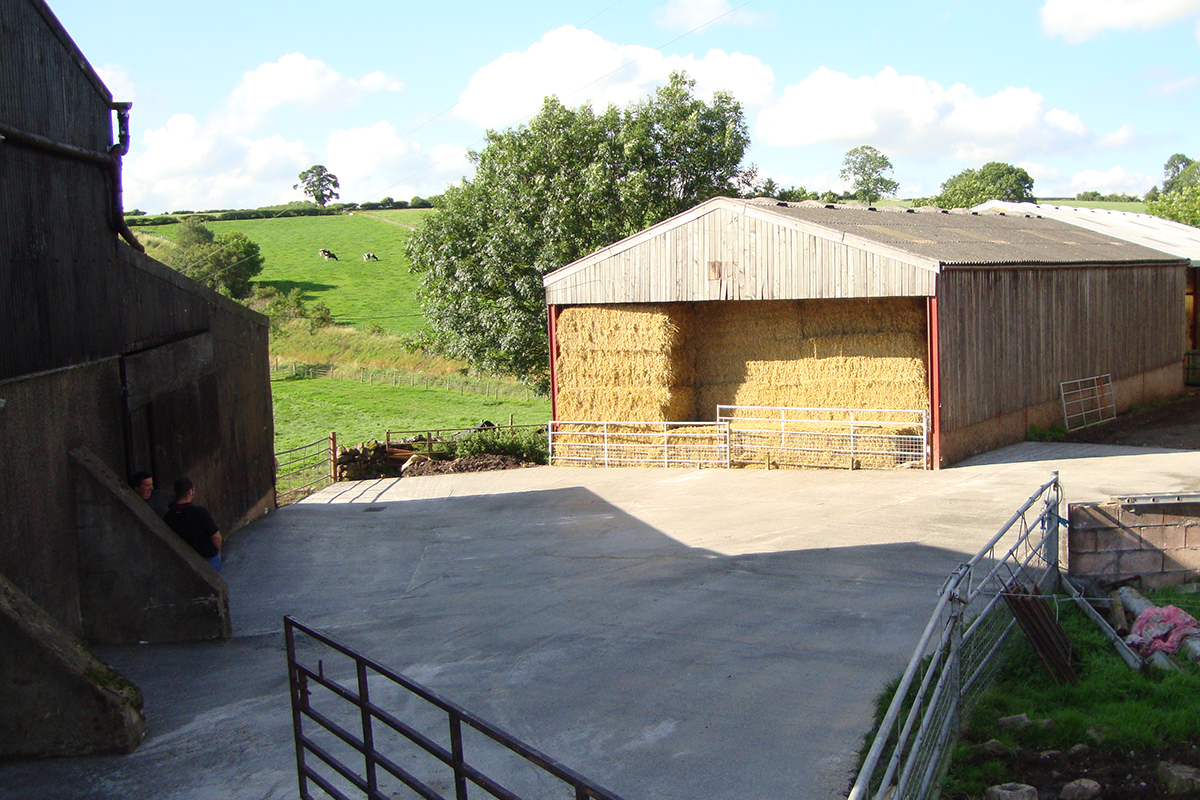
(625,362)
(812,354)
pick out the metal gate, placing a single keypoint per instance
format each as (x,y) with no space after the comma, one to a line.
(838,438)
(337,723)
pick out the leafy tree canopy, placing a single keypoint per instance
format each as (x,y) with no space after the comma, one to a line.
(224,262)
(1181,205)
(554,190)
(868,169)
(319,183)
(1174,170)
(995,180)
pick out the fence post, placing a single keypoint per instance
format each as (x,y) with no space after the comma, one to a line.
(333,457)
(851,440)
(367,727)
(457,757)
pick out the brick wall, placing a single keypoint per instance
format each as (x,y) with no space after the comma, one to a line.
(1112,541)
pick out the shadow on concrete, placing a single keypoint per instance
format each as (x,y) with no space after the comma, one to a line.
(656,669)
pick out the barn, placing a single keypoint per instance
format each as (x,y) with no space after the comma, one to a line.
(110,363)
(853,333)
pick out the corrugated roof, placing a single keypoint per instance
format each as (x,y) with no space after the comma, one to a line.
(1147,230)
(970,239)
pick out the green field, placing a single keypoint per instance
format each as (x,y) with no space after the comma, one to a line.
(308,408)
(359,293)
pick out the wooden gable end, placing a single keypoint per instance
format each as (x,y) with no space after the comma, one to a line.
(724,251)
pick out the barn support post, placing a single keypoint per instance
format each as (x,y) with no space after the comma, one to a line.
(333,457)
(935,385)
(552,326)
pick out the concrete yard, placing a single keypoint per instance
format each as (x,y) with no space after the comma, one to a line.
(670,634)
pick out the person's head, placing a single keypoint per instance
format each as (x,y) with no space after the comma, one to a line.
(142,483)
(184,489)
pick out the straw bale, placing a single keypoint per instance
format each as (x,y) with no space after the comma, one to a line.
(625,362)
(812,354)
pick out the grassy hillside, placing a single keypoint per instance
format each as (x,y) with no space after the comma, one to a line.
(309,408)
(1136,208)
(358,293)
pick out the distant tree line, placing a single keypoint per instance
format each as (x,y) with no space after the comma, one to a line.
(297,208)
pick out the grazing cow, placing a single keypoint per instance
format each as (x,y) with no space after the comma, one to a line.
(328,254)
(369,257)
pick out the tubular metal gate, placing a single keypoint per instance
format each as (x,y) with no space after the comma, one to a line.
(971,624)
(639,444)
(302,470)
(843,438)
(1087,401)
(348,721)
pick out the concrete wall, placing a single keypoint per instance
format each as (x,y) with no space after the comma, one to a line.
(138,581)
(1111,541)
(1146,387)
(59,699)
(43,418)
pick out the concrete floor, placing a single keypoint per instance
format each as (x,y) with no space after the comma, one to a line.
(666,633)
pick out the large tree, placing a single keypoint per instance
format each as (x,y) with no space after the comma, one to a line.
(868,168)
(995,180)
(318,183)
(225,262)
(1176,172)
(547,193)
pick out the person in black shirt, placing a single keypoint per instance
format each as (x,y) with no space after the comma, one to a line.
(194,524)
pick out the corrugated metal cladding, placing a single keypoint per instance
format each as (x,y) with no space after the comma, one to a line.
(46,87)
(720,253)
(1007,337)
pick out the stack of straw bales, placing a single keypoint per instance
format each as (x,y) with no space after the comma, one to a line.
(812,354)
(625,362)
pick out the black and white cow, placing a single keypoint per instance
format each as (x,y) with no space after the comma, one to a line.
(369,257)
(328,254)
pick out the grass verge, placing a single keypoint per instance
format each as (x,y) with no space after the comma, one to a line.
(309,408)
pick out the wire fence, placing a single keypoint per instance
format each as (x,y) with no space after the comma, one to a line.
(960,653)
(463,384)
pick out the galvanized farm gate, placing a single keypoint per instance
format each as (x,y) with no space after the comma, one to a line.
(351,742)
(838,438)
(639,444)
(960,652)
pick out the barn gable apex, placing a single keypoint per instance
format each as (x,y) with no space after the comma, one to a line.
(729,249)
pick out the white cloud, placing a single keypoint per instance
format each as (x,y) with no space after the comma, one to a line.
(1164,90)
(700,14)
(566,61)
(117,79)
(297,80)
(1079,20)
(1111,181)
(1121,137)
(910,115)
(373,162)
(187,165)
(1042,173)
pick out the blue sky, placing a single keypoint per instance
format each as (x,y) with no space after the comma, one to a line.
(232,100)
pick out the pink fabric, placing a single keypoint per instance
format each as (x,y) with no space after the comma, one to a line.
(1161,628)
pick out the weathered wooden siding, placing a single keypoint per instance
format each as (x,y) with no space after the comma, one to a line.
(74,301)
(728,255)
(1008,337)
(46,86)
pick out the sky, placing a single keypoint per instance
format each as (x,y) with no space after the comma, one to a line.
(232,100)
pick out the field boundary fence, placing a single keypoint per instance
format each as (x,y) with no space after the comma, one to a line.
(638,444)
(394,377)
(307,468)
(960,652)
(1087,401)
(838,438)
(348,744)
